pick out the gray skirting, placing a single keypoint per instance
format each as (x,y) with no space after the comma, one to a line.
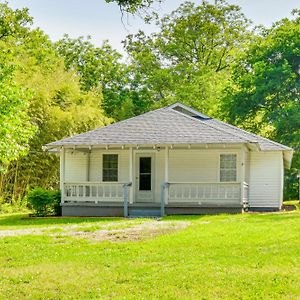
(92,211)
(202,210)
(117,210)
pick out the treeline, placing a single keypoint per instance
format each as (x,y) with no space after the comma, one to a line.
(207,56)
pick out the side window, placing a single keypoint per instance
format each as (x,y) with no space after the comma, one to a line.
(227,167)
(110,167)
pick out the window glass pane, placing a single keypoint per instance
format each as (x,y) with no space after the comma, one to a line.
(110,167)
(145,164)
(145,182)
(227,167)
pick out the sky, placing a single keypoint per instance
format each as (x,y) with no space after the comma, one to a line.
(103,21)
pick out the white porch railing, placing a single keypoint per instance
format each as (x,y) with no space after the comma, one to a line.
(93,191)
(216,193)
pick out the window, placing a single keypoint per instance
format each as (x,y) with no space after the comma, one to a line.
(110,167)
(227,167)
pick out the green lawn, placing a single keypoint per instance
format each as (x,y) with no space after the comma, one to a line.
(248,256)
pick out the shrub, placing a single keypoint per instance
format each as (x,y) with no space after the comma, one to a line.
(44,202)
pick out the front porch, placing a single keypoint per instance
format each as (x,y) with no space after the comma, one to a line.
(112,199)
(156,180)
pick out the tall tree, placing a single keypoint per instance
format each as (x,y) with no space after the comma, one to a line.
(265,92)
(16,129)
(41,92)
(189,58)
(102,69)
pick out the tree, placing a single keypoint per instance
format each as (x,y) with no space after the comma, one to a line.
(14,23)
(189,59)
(37,93)
(101,68)
(133,6)
(265,92)
(16,130)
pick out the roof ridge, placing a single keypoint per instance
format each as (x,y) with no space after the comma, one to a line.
(205,123)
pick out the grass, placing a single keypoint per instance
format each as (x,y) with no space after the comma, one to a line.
(245,256)
(19,221)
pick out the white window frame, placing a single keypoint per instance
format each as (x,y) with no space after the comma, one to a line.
(112,153)
(236,169)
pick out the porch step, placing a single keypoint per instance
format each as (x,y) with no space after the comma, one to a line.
(144,213)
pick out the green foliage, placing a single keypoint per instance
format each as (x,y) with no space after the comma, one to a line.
(265,89)
(101,69)
(15,126)
(13,23)
(44,202)
(189,59)
(16,206)
(133,6)
(41,95)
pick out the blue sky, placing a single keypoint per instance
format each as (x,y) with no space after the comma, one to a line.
(103,21)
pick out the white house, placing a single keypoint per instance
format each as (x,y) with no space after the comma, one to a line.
(172,160)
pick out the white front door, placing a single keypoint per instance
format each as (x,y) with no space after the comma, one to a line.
(144,177)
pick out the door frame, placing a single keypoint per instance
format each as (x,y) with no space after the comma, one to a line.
(136,155)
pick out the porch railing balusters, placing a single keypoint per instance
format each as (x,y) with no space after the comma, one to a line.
(219,193)
(93,192)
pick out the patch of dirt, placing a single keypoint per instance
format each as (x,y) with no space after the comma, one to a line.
(146,230)
(107,232)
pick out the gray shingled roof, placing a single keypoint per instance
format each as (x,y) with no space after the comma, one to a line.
(167,126)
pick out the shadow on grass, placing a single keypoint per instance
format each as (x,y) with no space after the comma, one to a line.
(19,220)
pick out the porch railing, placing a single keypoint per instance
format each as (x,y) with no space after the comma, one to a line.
(218,193)
(93,192)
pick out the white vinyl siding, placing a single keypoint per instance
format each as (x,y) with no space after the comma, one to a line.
(198,165)
(266,179)
(75,166)
(247,166)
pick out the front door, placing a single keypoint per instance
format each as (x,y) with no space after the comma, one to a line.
(144,179)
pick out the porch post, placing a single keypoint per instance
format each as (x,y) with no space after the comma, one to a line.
(87,188)
(243,171)
(131,174)
(166,173)
(62,172)
(88,165)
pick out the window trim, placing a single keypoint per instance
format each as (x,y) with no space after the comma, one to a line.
(219,167)
(118,171)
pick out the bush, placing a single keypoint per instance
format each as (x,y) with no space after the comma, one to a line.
(44,202)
